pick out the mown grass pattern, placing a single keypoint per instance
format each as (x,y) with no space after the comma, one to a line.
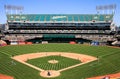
(63,62)
(109,61)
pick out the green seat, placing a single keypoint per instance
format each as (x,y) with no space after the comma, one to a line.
(59,17)
(42,18)
(70,18)
(76,18)
(81,18)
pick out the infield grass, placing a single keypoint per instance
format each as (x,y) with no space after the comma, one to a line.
(109,60)
(43,63)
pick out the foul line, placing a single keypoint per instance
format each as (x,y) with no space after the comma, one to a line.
(32,66)
(49,54)
(70,67)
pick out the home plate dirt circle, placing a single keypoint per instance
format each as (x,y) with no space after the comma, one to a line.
(53,61)
(49,73)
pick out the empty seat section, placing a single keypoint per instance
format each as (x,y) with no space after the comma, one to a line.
(12,18)
(101,17)
(87,18)
(32,18)
(81,18)
(17,18)
(37,18)
(70,18)
(28,17)
(47,17)
(60,18)
(42,18)
(23,17)
(76,18)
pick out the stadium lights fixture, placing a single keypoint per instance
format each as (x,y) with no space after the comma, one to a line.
(106,7)
(12,8)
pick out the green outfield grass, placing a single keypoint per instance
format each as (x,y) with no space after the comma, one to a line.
(43,63)
(109,60)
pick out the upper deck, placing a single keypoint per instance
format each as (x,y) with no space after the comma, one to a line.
(59,18)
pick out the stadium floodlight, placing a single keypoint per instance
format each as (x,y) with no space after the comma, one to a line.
(106,7)
(12,8)
(112,6)
(9,7)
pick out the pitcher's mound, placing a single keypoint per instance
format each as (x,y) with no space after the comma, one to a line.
(49,73)
(53,61)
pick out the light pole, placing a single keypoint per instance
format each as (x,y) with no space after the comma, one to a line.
(107,8)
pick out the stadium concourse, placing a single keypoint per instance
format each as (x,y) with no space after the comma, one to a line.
(59,28)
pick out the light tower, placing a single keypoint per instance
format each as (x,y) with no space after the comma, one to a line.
(12,9)
(108,9)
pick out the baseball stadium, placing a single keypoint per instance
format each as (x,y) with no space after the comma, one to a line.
(59,46)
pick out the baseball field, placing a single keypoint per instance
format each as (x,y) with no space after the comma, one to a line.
(58,57)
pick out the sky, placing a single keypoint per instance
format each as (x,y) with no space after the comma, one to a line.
(59,7)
